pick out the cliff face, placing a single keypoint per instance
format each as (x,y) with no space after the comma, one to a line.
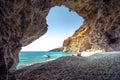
(101,28)
(57,49)
(23,21)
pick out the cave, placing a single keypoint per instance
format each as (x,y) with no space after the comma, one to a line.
(22,22)
(61,25)
(52,40)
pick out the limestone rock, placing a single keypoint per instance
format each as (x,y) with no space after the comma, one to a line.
(21,22)
(101,28)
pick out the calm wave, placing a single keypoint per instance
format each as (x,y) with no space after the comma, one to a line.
(29,58)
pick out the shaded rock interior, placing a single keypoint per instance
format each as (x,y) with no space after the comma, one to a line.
(23,21)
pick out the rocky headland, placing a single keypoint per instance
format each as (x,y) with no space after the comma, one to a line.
(23,21)
(57,49)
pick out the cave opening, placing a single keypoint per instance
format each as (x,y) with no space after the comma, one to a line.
(19,18)
(62,23)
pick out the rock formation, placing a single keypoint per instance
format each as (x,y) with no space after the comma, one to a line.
(57,49)
(23,21)
(101,28)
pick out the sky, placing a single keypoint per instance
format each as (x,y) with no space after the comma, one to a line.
(62,23)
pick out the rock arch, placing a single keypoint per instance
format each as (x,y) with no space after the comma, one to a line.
(23,21)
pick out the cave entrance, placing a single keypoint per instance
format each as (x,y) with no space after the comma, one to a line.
(62,23)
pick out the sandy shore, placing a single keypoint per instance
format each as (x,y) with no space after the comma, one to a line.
(99,66)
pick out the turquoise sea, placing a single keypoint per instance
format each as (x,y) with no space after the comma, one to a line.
(29,58)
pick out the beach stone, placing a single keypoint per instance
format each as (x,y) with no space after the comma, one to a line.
(100,66)
(24,21)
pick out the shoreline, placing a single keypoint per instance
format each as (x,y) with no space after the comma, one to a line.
(82,54)
(96,67)
(39,57)
(27,65)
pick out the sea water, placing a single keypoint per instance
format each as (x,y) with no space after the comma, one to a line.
(29,58)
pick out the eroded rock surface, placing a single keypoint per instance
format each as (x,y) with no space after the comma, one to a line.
(101,28)
(21,22)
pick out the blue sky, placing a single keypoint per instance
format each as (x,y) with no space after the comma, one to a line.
(62,23)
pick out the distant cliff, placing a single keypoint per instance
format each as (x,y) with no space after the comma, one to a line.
(23,21)
(57,49)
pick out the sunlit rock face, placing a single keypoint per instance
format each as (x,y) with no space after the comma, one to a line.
(21,22)
(101,28)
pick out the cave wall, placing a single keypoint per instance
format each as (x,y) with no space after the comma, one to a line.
(23,21)
(101,27)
